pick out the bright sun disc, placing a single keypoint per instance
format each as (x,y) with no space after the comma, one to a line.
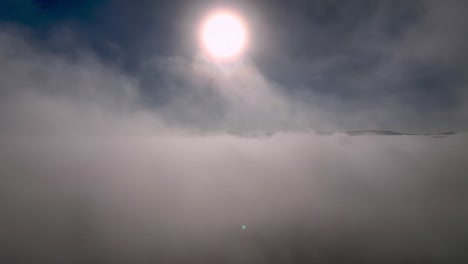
(223,35)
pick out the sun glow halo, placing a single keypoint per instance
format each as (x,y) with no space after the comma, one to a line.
(224,35)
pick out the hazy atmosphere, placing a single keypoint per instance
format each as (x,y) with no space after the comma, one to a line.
(233,131)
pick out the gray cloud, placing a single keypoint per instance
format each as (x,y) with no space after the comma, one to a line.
(43,93)
(398,63)
(48,93)
(334,65)
(302,197)
(441,35)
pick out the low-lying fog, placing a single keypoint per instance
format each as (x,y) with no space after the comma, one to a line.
(300,196)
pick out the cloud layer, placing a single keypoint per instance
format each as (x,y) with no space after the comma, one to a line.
(99,165)
(303,197)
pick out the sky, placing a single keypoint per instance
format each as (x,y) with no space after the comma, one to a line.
(335,65)
(122,141)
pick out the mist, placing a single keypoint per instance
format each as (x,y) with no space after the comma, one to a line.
(302,197)
(95,170)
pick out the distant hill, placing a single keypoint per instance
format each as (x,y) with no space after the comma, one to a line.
(393,133)
(323,133)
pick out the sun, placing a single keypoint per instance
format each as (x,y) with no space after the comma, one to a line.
(224,35)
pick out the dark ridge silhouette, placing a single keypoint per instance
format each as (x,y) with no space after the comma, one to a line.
(325,133)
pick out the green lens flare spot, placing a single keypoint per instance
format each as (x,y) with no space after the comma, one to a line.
(243,227)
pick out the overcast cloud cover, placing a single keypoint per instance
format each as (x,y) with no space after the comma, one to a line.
(121,146)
